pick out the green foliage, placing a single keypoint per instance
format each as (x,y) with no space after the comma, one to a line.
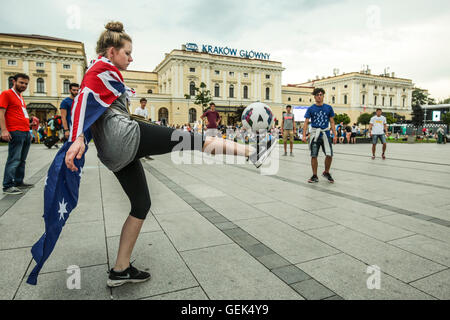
(365,118)
(390,118)
(338,118)
(203,96)
(446,118)
(446,101)
(417,115)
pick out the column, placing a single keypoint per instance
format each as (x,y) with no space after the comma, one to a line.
(54,84)
(26,70)
(225,93)
(239,92)
(79,74)
(181,79)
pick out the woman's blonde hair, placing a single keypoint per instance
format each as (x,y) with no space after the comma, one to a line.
(113,36)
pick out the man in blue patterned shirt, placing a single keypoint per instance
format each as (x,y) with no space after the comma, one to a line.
(321,117)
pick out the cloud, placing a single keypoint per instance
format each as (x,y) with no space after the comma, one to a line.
(310,37)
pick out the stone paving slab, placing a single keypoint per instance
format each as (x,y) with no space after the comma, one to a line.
(392,260)
(373,228)
(188,294)
(348,278)
(189,231)
(425,247)
(291,244)
(437,285)
(228,273)
(14,264)
(53,286)
(153,251)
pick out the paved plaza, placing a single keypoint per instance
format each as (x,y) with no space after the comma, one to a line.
(226,232)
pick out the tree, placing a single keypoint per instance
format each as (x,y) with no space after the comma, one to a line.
(365,119)
(446,101)
(419,98)
(338,118)
(203,96)
(390,119)
(446,118)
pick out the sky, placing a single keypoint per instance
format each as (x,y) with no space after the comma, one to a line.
(310,37)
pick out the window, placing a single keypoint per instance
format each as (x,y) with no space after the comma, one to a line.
(163,116)
(404,90)
(334,88)
(345,99)
(217,90)
(231,95)
(403,102)
(245,75)
(383,102)
(231,74)
(66,86)
(333,100)
(375,100)
(384,88)
(40,85)
(376,87)
(150,91)
(217,72)
(267,93)
(300,100)
(245,92)
(267,76)
(364,86)
(12,62)
(39,64)
(390,102)
(192,88)
(192,115)
(289,98)
(67,66)
(10,82)
(346,86)
(364,99)
(191,69)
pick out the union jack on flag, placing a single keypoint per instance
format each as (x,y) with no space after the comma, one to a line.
(101,86)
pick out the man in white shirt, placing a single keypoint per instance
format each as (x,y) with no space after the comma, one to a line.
(377,130)
(141,111)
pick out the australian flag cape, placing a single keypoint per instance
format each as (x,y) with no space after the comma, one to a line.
(101,86)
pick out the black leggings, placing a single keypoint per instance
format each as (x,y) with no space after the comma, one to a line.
(155,140)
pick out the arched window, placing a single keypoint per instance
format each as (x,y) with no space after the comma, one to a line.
(66,86)
(10,82)
(40,85)
(390,102)
(289,98)
(245,92)
(149,91)
(267,93)
(163,116)
(192,88)
(375,101)
(345,99)
(217,90)
(231,91)
(334,99)
(192,115)
(364,99)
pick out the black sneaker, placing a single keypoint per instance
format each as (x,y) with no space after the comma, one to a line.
(264,152)
(25,186)
(313,179)
(12,190)
(328,176)
(131,275)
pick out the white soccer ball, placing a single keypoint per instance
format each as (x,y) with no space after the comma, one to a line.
(258,117)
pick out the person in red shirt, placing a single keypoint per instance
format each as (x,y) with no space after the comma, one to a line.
(15,126)
(214,119)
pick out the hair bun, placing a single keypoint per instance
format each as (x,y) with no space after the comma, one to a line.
(114,26)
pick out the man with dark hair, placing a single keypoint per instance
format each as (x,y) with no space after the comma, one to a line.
(213,120)
(377,130)
(142,111)
(15,126)
(288,129)
(66,109)
(321,117)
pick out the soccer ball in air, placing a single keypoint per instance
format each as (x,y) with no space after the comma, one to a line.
(257,117)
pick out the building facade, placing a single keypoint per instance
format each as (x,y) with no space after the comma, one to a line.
(361,92)
(51,63)
(233,81)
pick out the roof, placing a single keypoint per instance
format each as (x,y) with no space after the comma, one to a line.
(41,106)
(37,36)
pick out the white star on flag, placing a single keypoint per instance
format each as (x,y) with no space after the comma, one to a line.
(62,209)
(46,181)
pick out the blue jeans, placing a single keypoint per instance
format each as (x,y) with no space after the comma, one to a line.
(18,149)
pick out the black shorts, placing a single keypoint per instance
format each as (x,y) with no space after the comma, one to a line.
(155,140)
(353,135)
(323,141)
